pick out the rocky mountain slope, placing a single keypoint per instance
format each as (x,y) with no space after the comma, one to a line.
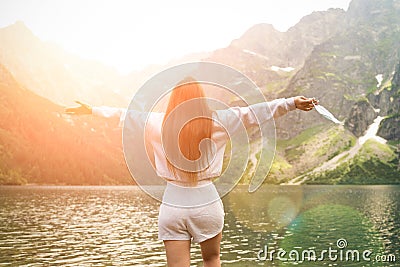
(355,74)
(262,48)
(40,144)
(350,66)
(388,99)
(351,69)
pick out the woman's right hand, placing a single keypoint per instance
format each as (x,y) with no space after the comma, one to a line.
(81,110)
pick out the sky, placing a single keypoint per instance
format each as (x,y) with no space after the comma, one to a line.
(131,34)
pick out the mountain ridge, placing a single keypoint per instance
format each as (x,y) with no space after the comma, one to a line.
(262,46)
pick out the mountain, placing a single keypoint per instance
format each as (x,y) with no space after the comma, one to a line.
(349,60)
(355,64)
(55,74)
(355,74)
(40,144)
(262,47)
(292,47)
(61,77)
(331,154)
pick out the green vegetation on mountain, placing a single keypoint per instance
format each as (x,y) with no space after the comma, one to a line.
(375,163)
(303,153)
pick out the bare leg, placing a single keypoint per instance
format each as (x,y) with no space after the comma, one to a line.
(210,250)
(178,253)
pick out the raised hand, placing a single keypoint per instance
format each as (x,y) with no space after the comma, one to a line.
(81,110)
(304,103)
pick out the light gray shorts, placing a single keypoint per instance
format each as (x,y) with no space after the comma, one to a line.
(200,222)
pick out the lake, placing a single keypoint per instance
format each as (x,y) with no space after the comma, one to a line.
(117,226)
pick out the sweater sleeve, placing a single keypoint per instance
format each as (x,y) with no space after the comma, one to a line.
(110,112)
(281,106)
(256,114)
(132,118)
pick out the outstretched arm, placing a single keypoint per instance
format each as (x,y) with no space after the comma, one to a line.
(103,111)
(281,106)
(261,112)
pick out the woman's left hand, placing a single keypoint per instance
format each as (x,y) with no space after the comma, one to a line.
(304,103)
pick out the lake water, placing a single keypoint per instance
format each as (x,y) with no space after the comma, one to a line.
(117,226)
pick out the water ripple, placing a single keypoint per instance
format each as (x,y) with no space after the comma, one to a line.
(117,226)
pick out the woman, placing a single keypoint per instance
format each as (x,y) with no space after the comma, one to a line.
(182,217)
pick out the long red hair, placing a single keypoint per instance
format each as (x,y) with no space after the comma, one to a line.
(196,129)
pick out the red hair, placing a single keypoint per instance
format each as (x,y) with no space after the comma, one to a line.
(196,129)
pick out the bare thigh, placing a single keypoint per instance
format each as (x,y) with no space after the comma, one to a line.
(178,253)
(210,251)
